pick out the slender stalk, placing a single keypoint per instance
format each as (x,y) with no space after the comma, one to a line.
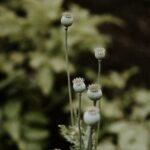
(94,103)
(89,147)
(99,71)
(79,119)
(68,76)
(98,125)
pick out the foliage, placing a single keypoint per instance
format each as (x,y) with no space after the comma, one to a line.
(32,64)
(124,115)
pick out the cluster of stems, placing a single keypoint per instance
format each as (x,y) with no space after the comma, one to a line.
(92,116)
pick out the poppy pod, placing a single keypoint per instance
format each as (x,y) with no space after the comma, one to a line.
(100,53)
(94,92)
(79,85)
(91,116)
(67,19)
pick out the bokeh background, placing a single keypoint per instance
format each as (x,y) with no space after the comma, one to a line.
(33,85)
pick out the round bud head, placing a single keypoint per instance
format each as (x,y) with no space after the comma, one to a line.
(91,116)
(94,92)
(100,53)
(79,85)
(67,19)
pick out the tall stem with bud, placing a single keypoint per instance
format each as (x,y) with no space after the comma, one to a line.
(79,86)
(67,20)
(68,75)
(100,53)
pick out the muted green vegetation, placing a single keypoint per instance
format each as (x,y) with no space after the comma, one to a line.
(33,82)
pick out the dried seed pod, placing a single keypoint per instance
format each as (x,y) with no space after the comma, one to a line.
(79,85)
(94,92)
(67,19)
(100,53)
(91,116)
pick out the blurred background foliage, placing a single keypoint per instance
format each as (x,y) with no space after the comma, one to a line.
(33,89)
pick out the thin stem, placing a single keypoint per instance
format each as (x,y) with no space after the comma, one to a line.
(99,71)
(94,103)
(90,140)
(68,75)
(98,125)
(79,119)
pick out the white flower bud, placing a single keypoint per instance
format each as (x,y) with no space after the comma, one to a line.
(91,116)
(67,19)
(79,85)
(100,53)
(94,92)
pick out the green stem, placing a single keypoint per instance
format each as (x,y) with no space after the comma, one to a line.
(68,75)
(99,71)
(90,139)
(94,103)
(98,125)
(79,119)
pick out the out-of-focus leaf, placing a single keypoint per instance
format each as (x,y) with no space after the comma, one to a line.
(107,145)
(37,60)
(108,18)
(118,80)
(5,65)
(117,127)
(13,128)
(30,145)
(17,57)
(111,110)
(9,23)
(35,117)
(35,134)
(58,65)
(12,109)
(141,96)
(134,136)
(140,113)
(45,79)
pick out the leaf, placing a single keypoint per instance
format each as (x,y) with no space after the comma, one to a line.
(58,64)
(112,110)
(117,127)
(34,146)
(106,145)
(134,136)
(13,128)
(28,145)
(44,79)
(140,113)
(35,117)
(35,134)
(12,109)
(141,96)
(9,23)
(37,60)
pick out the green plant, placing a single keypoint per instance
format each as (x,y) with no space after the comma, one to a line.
(32,81)
(92,116)
(31,56)
(86,141)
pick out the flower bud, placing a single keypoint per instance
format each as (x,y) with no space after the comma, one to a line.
(79,85)
(94,92)
(67,19)
(100,53)
(91,116)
